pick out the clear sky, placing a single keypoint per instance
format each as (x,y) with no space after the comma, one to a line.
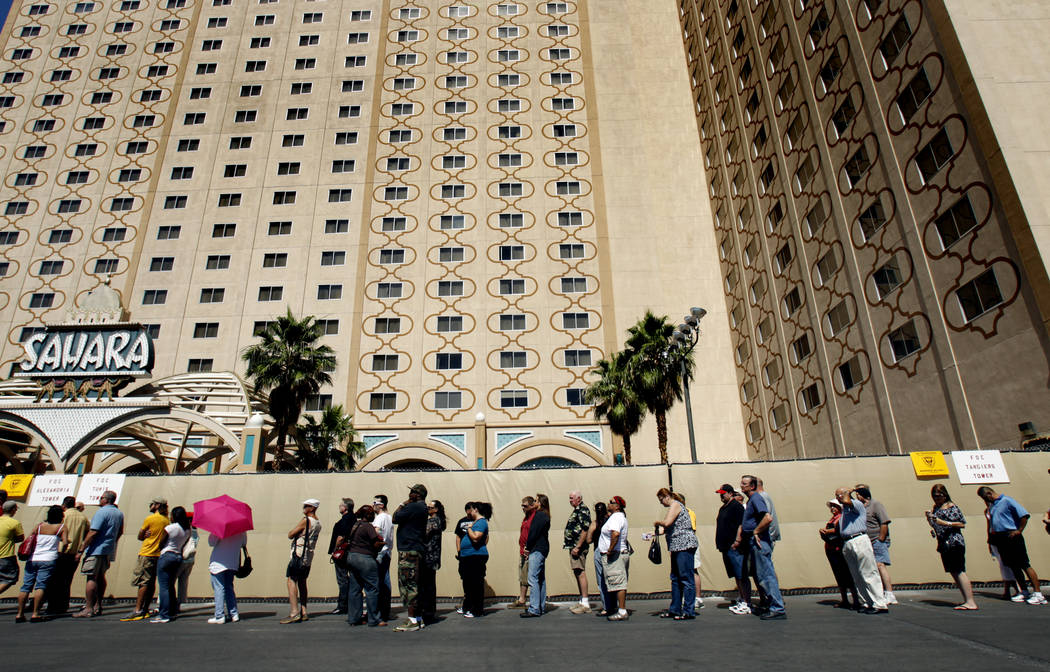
(5,6)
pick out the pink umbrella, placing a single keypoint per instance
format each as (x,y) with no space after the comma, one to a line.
(223,516)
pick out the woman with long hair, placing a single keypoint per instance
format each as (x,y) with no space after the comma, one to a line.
(172,540)
(947,521)
(681,544)
(473,557)
(363,546)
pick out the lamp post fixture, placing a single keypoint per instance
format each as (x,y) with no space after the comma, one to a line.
(684,340)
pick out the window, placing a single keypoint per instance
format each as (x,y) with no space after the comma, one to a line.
(271,293)
(577,357)
(254,66)
(223,230)
(66,52)
(448,400)
(218,22)
(69,205)
(512,322)
(211,45)
(511,286)
(888,277)
(831,69)
(811,398)
(453,191)
(561,78)
(329,292)
(229,200)
(914,95)
(199,365)
(38,151)
(163,48)
(260,43)
(349,111)
(22,54)
(448,361)
(206,330)
(51,267)
(826,267)
(168,232)
(202,68)
(313,17)
(893,44)
(353,85)
(346,138)
(510,189)
(264,19)
(121,204)
(174,202)
(857,165)
(513,398)
(508,80)
(904,341)
(293,140)
(563,104)
(297,113)
(384,362)
(566,158)
(193,118)
(404,83)
(181,172)
(275,260)
(236,142)
(934,156)
(388,290)
(407,36)
(382,401)
(406,59)
(212,295)
(29,179)
(575,320)
(343,166)
(979,295)
(8,237)
(288,168)
(449,323)
(820,25)
(455,81)
(154,297)
(244,116)
(800,348)
(447,255)
(455,133)
(573,285)
(450,287)
(453,162)
(114,234)
(217,262)
(56,76)
(956,222)
(362,15)
(851,374)
(333,258)
(357,38)
(871,220)
(838,317)
(250,90)
(844,115)
(284,198)
(187,145)
(388,325)
(570,219)
(136,147)
(783,257)
(792,301)
(170,24)
(395,193)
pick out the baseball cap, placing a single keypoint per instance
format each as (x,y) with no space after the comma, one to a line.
(159,500)
(419,489)
(726,489)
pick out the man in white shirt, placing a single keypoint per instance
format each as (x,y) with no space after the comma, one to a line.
(385,527)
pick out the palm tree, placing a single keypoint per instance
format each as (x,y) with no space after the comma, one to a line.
(657,370)
(615,399)
(328,442)
(289,363)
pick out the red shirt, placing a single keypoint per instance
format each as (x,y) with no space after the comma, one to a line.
(524,536)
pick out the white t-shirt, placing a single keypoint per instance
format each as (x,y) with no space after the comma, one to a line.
(176,538)
(617,522)
(384,525)
(225,553)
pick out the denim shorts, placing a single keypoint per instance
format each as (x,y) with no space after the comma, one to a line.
(882,550)
(734,563)
(37,575)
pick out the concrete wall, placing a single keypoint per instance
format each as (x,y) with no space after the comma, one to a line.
(799,490)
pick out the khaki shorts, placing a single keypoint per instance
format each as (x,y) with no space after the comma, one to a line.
(614,565)
(145,572)
(578,563)
(94,566)
(523,570)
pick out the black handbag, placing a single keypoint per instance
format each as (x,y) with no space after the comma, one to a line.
(655,552)
(244,567)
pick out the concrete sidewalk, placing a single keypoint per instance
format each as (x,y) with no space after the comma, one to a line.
(921,633)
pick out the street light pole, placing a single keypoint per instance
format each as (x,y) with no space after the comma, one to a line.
(686,337)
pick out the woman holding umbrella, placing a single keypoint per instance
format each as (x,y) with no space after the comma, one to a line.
(227,519)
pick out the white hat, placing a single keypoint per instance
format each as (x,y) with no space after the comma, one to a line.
(316,503)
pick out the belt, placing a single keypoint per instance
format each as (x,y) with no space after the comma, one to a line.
(854,536)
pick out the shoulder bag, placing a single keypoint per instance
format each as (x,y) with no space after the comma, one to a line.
(28,545)
(339,555)
(655,553)
(244,568)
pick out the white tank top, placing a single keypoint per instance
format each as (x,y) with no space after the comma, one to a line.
(47,546)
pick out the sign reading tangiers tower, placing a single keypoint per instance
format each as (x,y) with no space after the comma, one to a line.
(83,351)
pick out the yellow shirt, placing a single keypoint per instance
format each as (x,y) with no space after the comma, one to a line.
(155,524)
(77,528)
(10,529)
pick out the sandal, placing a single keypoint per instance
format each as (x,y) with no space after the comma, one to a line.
(292,619)
(668,614)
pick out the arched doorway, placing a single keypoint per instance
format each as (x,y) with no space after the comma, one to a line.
(414,465)
(548,463)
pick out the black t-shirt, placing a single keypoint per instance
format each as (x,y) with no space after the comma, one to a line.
(729,518)
(462,525)
(411,521)
(341,529)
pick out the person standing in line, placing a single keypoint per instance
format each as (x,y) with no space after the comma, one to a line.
(342,571)
(173,539)
(76,524)
(411,521)
(697,561)
(594,534)
(189,557)
(100,544)
(145,576)
(304,540)
(1006,529)
(473,557)
(222,566)
(528,509)
(431,561)
(385,528)
(681,545)
(462,525)
(11,535)
(50,536)
(878,528)
(613,548)
(362,546)
(755,537)
(856,549)
(947,521)
(538,546)
(727,523)
(833,551)
(575,541)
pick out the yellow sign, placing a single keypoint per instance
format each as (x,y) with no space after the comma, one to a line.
(929,463)
(17,485)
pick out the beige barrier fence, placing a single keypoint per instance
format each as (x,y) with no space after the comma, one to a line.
(800,490)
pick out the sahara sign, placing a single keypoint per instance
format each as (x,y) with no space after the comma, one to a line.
(88,351)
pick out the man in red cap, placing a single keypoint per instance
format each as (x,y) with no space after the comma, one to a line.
(726,524)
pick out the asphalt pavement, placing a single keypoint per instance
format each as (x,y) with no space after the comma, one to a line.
(923,632)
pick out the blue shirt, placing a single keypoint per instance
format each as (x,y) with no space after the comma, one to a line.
(854,519)
(108,523)
(754,513)
(1006,513)
(468,548)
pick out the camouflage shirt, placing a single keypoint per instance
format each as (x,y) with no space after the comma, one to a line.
(579,521)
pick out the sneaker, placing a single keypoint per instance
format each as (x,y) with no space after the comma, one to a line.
(740,609)
(409,626)
(773,616)
(235,618)
(158,619)
(890,599)
(580,608)
(1019,597)
(459,610)
(1037,598)
(467,614)
(618,617)
(217,621)
(135,616)
(699,604)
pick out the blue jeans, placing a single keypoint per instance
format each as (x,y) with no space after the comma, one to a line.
(383,567)
(222,587)
(37,575)
(537,582)
(683,586)
(766,576)
(599,573)
(168,567)
(363,575)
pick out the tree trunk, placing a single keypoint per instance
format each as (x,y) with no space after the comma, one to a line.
(661,435)
(627,448)
(278,458)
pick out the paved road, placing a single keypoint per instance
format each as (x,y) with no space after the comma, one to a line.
(922,633)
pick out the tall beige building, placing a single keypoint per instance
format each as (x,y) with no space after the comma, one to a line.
(479,198)
(476,198)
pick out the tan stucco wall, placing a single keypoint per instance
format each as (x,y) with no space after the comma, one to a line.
(799,490)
